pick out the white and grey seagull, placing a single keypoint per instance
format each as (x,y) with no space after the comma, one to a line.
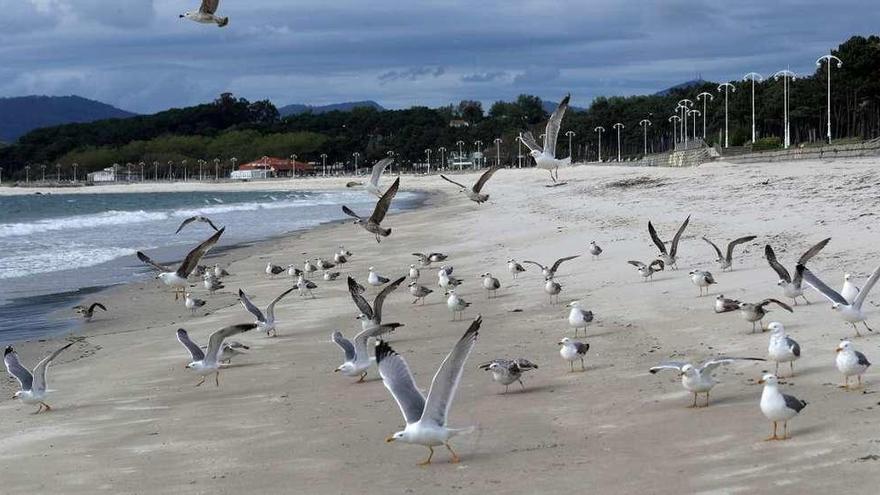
(507,371)
(372,224)
(668,256)
(197,218)
(545,156)
(782,348)
(726,260)
(177,279)
(698,379)
(265,322)
(357,357)
(33,386)
(378,169)
(473,193)
(371,316)
(851,313)
(647,271)
(207,362)
(549,271)
(792,287)
(778,407)
(206,14)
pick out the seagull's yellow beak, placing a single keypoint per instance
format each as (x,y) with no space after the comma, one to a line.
(761,381)
(389,439)
(836,350)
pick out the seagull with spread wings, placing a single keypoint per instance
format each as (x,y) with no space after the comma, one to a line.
(265,322)
(357,356)
(792,287)
(197,218)
(207,14)
(372,186)
(207,362)
(698,379)
(87,312)
(371,316)
(726,260)
(549,271)
(668,256)
(474,193)
(177,279)
(545,157)
(33,385)
(851,313)
(372,224)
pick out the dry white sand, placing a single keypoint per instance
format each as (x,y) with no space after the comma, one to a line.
(127,418)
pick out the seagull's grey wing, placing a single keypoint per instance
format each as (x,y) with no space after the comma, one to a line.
(380,298)
(637,264)
(668,365)
(529,140)
(561,261)
(384,203)
(349,212)
(775,265)
(192,259)
(862,359)
(776,302)
(209,6)
(674,248)
(270,311)
(542,267)
(209,222)
(215,342)
(485,178)
(867,288)
(250,307)
(813,251)
(736,242)
(347,346)
(360,340)
(711,364)
(14,368)
(399,381)
(356,295)
(194,350)
(379,169)
(446,380)
(717,250)
(814,282)
(506,363)
(553,125)
(185,223)
(656,238)
(794,403)
(146,259)
(40,369)
(447,179)
(525,364)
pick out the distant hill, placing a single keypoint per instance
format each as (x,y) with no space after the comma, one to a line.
(685,85)
(20,115)
(550,106)
(297,109)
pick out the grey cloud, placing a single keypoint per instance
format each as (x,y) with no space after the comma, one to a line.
(411,74)
(483,77)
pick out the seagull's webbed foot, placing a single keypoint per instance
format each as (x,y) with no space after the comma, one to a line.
(455,459)
(361,379)
(201,382)
(428,460)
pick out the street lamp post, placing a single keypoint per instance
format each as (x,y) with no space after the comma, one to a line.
(43,170)
(570,134)
(703,96)
(786,76)
(183,163)
(156,171)
(293,165)
(645,123)
(674,119)
(599,130)
(685,106)
(727,86)
(477,147)
(428,152)
(74,170)
(442,151)
(828,59)
(57,172)
(753,76)
(498,152)
(142,171)
(356,155)
(27,174)
(170,170)
(323,164)
(128,172)
(695,113)
(234,160)
(519,155)
(618,126)
(201,164)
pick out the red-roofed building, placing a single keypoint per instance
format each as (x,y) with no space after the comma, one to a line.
(278,167)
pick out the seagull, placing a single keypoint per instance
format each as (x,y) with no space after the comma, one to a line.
(309,267)
(491,284)
(293,271)
(594,249)
(647,271)
(427,258)
(177,278)
(701,279)
(344,252)
(373,185)
(573,350)
(230,350)
(212,284)
(414,272)
(777,406)
(755,312)
(725,305)
(192,303)
(340,258)
(371,316)
(849,291)
(545,157)
(372,224)
(792,287)
(782,348)
(220,272)
(426,417)
(850,362)
(456,304)
(698,379)
(272,270)
(550,270)
(197,218)
(331,276)
(419,292)
(205,15)
(578,317)
(507,371)
(668,257)
(851,313)
(514,268)
(87,312)
(32,385)
(474,193)
(303,284)
(357,356)
(552,288)
(265,323)
(375,279)
(726,260)
(446,281)
(207,362)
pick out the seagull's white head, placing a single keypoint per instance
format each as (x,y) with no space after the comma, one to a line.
(361,317)
(345,368)
(846,277)
(835,306)
(574,304)
(400,435)
(487,274)
(687,369)
(565,341)
(163,276)
(412,266)
(768,379)
(494,367)
(372,269)
(535,154)
(844,346)
(776,328)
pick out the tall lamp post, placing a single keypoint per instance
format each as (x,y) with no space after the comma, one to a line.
(428,152)
(828,59)
(727,86)
(704,96)
(618,126)
(599,130)
(519,155)
(75,165)
(645,123)
(498,142)
(442,151)
(155,171)
(142,171)
(674,119)
(57,172)
(128,172)
(233,160)
(356,155)
(170,174)
(753,76)
(27,174)
(570,134)
(695,113)
(786,76)
(684,105)
(323,164)
(460,143)
(477,147)
(43,170)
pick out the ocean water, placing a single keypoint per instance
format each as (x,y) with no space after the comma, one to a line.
(57,248)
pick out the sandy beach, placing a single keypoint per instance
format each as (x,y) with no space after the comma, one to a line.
(128,419)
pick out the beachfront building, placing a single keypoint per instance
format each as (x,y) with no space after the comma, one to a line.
(106,175)
(268,166)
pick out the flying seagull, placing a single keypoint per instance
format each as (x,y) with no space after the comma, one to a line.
(197,218)
(207,362)
(177,279)
(851,313)
(373,223)
(668,257)
(777,406)
(507,371)
(371,316)
(205,14)
(32,385)
(474,193)
(545,157)
(549,271)
(373,185)
(357,356)
(426,416)
(792,287)
(726,260)
(698,379)
(87,312)
(265,323)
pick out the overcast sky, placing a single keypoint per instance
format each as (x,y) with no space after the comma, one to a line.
(139,56)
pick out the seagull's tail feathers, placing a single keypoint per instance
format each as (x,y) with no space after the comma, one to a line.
(454,432)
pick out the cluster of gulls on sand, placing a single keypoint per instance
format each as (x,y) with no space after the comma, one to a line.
(425,416)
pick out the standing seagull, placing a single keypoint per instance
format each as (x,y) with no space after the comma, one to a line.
(594,249)
(491,284)
(698,379)
(754,313)
(420,292)
(647,271)
(850,362)
(32,385)
(474,193)
(849,291)
(507,371)
(578,317)
(726,260)
(192,303)
(782,348)
(792,287)
(197,218)
(456,304)
(545,157)
(357,356)
(552,288)
(702,279)
(87,312)
(177,278)
(668,257)
(725,305)
(514,268)
(851,313)
(572,350)
(272,270)
(205,14)
(414,272)
(265,323)
(372,186)
(371,316)
(426,417)
(777,406)
(550,270)
(373,223)
(375,279)
(207,362)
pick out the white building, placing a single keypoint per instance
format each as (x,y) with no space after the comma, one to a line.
(250,174)
(106,175)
